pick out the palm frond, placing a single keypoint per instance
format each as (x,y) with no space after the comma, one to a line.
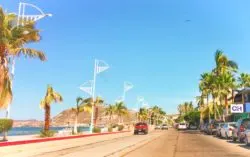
(28,52)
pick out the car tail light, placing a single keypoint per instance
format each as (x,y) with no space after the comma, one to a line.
(242,129)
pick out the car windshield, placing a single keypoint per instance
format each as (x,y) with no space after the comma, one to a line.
(233,125)
(138,124)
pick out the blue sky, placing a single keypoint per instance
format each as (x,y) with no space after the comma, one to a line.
(145,42)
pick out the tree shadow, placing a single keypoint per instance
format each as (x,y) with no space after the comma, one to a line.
(245,146)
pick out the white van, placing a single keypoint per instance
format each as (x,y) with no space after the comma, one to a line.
(182,126)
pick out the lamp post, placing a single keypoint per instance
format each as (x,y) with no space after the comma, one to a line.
(99,67)
(126,87)
(21,18)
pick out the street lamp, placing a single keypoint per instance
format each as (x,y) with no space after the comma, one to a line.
(126,87)
(100,66)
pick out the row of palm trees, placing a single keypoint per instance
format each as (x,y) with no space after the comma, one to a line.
(152,115)
(119,109)
(185,108)
(217,86)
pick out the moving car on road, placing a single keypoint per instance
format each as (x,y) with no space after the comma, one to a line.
(141,127)
(182,126)
(227,129)
(164,127)
(239,131)
(157,127)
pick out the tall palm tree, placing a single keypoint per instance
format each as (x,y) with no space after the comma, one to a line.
(110,111)
(97,102)
(50,97)
(80,107)
(223,71)
(143,114)
(228,83)
(200,102)
(155,114)
(13,38)
(244,80)
(121,110)
(223,64)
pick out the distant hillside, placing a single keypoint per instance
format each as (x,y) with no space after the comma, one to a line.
(29,123)
(68,117)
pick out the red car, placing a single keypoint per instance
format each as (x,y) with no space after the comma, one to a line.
(141,127)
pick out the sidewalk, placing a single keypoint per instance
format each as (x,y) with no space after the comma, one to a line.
(31,150)
(28,139)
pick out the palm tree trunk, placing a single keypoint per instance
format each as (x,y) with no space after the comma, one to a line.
(226,104)
(96,115)
(214,107)
(47,117)
(76,123)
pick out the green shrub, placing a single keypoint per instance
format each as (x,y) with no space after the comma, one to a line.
(49,133)
(96,130)
(5,125)
(114,125)
(120,127)
(110,129)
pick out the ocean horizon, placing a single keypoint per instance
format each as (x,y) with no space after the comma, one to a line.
(19,131)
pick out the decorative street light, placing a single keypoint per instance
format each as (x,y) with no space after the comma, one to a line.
(22,17)
(87,87)
(126,87)
(100,66)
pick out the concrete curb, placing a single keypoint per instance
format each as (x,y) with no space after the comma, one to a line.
(21,142)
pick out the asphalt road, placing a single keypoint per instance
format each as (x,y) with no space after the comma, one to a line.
(165,143)
(190,144)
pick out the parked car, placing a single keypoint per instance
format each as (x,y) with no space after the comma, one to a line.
(182,126)
(141,127)
(202,127)
(239,131)
(211,128)
(193,126)
(206,128)
(164,127)
(227,129)
(218,128)
(247,134)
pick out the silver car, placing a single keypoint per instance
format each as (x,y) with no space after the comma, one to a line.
(227,129)
(239,131)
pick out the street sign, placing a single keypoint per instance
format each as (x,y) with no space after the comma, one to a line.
(237,108)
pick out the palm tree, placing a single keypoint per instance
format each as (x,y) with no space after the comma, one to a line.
(143,114)
(156,113)
(228,83)
(244,80)
(121,110)
(97,102)
(223,71)
(110,111)
(50,97)
(12,41)
(223,64)
(80,107)
(200,102)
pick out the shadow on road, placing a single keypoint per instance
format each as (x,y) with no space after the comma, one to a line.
(190,131)
(245,146)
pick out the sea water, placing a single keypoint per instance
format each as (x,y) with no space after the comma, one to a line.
(36,130)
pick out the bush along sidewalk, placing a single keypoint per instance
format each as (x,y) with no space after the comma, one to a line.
(5,126)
